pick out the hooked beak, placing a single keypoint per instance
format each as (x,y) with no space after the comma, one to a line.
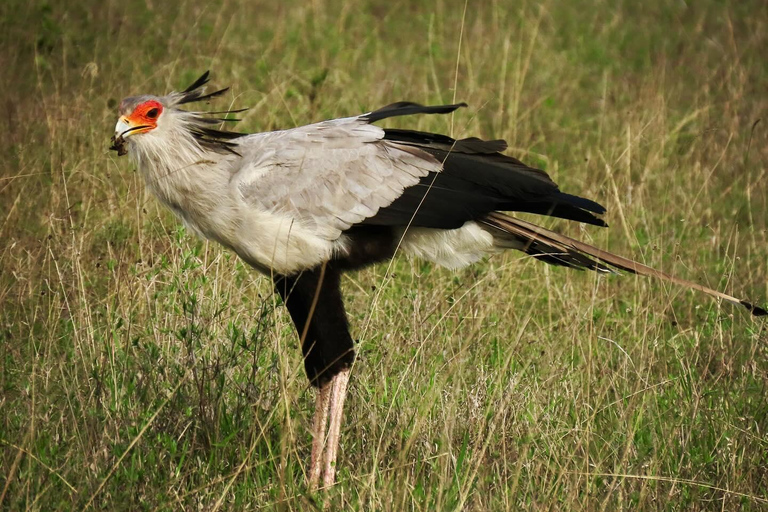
(124,128)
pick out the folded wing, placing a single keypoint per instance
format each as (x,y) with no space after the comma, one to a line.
(344,172)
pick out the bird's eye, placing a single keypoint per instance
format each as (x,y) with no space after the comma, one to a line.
(152,113)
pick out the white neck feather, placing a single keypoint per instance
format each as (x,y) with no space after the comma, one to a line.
(168,157)
(188,178)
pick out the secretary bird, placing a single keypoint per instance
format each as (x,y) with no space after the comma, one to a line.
(306,204)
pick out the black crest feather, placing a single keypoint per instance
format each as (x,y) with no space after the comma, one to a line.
(195,91)
(209,137)
(199,82)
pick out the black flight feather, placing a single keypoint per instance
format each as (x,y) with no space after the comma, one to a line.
(476,179)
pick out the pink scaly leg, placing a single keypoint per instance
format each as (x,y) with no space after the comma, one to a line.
(338,393)
(322,401)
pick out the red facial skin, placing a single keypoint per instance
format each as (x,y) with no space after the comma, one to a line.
(146,114)
(143,119)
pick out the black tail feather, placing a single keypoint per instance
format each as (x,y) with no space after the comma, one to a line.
(572,250)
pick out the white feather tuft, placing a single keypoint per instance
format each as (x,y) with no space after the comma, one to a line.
(451,248)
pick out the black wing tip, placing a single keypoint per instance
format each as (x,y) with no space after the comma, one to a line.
(476,145)
(582,202)
(755,310)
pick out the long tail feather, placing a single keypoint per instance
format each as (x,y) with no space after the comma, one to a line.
(574,252)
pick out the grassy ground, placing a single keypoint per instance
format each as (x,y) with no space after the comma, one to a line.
(143,369)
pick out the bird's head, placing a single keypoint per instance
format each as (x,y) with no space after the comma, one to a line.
(148,120)
(139,115)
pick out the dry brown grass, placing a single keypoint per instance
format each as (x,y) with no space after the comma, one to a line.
(145,369)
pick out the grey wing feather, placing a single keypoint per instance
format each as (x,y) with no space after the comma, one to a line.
(328,176)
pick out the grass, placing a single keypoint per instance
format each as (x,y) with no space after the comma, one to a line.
(144,369)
